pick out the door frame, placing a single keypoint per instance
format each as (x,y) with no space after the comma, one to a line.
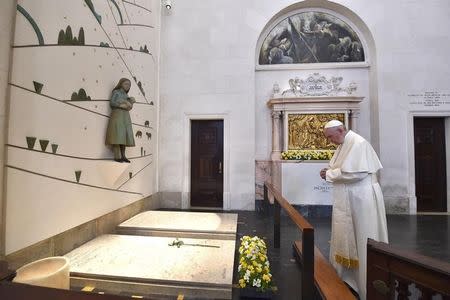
(186,160)
(411,150)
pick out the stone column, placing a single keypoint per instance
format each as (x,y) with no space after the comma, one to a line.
(276,147)
(352,116)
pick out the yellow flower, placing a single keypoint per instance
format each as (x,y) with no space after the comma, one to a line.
(253,261)
(241,283)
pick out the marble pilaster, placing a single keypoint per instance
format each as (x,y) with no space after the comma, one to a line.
(276,135)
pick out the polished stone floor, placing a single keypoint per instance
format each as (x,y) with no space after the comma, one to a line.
(425,234)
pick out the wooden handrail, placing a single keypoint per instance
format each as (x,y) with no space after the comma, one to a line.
(307,245)
(386,265)
(316,270)
(295,216)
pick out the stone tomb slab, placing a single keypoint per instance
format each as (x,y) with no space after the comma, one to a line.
(181,224)
(146,265)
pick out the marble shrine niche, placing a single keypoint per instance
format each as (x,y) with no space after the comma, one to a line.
(299,113)
(299,148)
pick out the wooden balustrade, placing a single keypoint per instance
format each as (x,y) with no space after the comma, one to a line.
(391,271)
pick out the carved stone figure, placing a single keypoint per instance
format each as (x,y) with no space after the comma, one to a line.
(120,132)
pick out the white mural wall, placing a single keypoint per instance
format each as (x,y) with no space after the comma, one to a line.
(67,57)
(215,74)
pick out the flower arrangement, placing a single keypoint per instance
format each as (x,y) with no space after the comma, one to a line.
(307,154)
(254,267)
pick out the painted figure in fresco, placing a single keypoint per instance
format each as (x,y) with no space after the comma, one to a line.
(120,132)
(358,205)
(311,37)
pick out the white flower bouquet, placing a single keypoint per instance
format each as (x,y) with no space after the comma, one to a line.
(254,267)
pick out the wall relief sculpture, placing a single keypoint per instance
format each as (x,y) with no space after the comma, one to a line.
(311,37)
(315,85)
(305,131)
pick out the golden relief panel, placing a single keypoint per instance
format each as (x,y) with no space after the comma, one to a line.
(305,131)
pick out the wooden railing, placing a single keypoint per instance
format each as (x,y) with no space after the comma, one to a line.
(316,270)
(307,245)
(391,271)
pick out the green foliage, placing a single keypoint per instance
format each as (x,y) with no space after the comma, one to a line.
(38,86)
(140,88)
(80,96)
(61,37)
(81,36)
(66,38)
(69,37)
(102,44)
(74,96)
(145,49)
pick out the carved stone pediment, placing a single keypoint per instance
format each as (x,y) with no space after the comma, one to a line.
(314,85)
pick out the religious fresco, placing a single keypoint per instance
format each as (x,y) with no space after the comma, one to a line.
(305,131)
(311,37)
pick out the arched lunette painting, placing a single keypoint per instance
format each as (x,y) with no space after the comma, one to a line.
(311,37)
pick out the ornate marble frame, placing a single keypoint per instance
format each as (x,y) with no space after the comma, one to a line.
(331,99)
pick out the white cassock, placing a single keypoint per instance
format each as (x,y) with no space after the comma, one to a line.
(358,209)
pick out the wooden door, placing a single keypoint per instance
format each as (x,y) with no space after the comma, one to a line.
(207,163)
(430,161)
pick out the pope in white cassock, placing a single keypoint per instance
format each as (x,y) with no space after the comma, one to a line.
(358,205)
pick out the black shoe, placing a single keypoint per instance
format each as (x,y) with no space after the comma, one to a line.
(118,160)
(125,160)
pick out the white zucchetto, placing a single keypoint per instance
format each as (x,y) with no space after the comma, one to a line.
(333,123)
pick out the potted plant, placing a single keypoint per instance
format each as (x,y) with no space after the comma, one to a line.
(255,279)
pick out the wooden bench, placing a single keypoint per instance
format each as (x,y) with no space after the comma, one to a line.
(327,281)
